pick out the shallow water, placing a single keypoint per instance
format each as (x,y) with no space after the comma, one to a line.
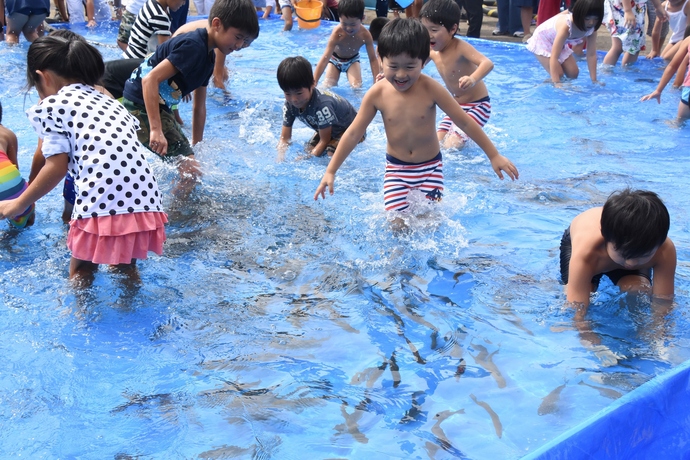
(274,326)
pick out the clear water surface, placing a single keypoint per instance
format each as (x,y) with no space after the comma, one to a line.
(279,327)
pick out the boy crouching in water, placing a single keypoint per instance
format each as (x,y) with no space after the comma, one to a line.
(326,113)
(407,101)
(461,67)
(627,241)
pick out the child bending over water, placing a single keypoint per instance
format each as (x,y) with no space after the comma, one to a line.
(118,216)
(12,184)
(552,40)
(413,153)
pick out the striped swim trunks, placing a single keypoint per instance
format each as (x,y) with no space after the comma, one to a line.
(479,111)
(11,186)
(401,177)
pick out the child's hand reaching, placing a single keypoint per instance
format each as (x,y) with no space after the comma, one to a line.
(326,181)
(654,95)
(500,163)
(91,24)
(466,82)
(10,210)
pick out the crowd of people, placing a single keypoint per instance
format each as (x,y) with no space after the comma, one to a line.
(96,121)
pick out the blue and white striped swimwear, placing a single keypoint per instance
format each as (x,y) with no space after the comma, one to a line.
(401,177)
(479,111)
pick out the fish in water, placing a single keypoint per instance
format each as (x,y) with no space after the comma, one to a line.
(498,426)
(484,359)
(605,392)
(549,404)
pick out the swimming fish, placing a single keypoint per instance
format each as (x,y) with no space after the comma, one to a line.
(498,426)
(605,392)
(549,404)
(484,359)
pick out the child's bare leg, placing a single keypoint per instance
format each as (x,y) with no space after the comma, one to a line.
(81,272)
(670,51)
(132,281)
(614,52)
(287,17)
(67,212)
(579,49)
(545,63)
(570,68)
(178,118)
(629,59)
(453,141)
(331,76)
(683,111)
(15,25)
(634,284)
(354,75)
(189,170)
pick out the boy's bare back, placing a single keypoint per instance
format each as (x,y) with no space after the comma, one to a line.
(8,144)
(458,60)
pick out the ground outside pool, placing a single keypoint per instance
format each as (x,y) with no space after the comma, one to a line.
(279,327)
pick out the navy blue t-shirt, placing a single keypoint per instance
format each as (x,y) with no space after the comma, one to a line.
(191,57)
(323,110)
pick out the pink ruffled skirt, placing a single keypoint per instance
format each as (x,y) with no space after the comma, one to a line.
(117,239)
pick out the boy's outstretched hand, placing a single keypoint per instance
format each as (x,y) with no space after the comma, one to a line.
(501,163)
(326,181)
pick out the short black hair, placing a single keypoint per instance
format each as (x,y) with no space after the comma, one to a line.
(351,9)
(240,14)
(74,60)
(376,26)
(404,36)
(635,221)
(295,73)
(0,113)
(583,8)
(445,13)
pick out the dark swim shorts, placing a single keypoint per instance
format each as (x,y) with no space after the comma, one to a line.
(614,275)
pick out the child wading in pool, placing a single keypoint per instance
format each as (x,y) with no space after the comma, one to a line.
(12,185)
(407,101)
(460,65)
(179,66)
(627,241)
(684,103)
(326,113)
(342,52)
(117,217)
(552,40)
(625,20)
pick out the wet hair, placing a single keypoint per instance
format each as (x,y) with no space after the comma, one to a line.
(445,13)
(583,8)
(74,60)
(351,9)
(635,221)
(240,14)
(0,113)
(376,26)
(295,73)
(687,32)
(66,34)
(404,36)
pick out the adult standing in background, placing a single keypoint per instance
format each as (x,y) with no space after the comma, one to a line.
(475,16)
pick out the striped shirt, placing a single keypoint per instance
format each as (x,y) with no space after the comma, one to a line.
(152,20)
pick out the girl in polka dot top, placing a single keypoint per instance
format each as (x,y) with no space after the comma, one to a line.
(117,216)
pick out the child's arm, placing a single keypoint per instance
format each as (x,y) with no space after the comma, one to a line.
(285,137)
(52,173)
(324,139)
(680,74)
(2,18)
(323,62)
(149,86)
(670,70)
(371,52)
(198,114)
(483,63)
(347,143)
(664,272)
(450,106)
(38,161)
(90,14)
(656,39)
(562,33)
(592,56)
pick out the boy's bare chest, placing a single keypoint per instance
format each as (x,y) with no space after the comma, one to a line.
(347,46)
